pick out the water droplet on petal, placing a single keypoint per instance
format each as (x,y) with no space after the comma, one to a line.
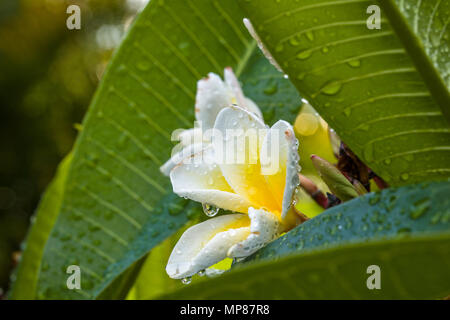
(209,210)
(186,280)
(201,273)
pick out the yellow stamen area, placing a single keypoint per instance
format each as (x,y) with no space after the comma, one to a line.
(242,222)
(239,223)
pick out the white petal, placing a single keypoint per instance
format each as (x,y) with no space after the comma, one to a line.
(238,155)
(264,228)
(279,156)
(255,36)
(209,242)
(233,83)
(200,179)
(213,272)
(253,107)
(241,100)
(212,96)
(205,244)
(178,157)
(191,136)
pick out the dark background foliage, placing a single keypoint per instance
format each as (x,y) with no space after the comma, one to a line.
(48,75)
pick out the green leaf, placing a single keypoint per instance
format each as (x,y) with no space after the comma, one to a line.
(421,26)
(327,257)
(394,212)
(153,280)
(363,81)
(26,275)
(411,268)
(266,86)
(117,205)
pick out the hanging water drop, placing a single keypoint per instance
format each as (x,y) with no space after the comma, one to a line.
(209,210)
(186,280)
(201,273)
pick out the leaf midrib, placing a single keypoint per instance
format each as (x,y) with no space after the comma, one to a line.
(416,52)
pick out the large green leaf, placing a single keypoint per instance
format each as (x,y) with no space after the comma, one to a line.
(26,276)
(411,268)
(422,28)
(153,280)
(116,204)
(275,95)
(413,209)
(364,81)
(327,256)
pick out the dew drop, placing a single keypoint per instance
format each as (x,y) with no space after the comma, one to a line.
(143,65)
(404,176)
(301,76)
(420,207)
(209,210)
(201,273)
(305,54)
(271,89)
(293,41)
(279,48)
(435,219)
(310,36)
(347,111)
(186,280)
(354,63)
(331,88)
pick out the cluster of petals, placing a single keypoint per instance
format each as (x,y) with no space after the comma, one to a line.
(260,202)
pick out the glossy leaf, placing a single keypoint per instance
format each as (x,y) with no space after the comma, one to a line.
(26,275)
(405,231)
(363,81)
(422,28)
(117,205)
(339,273)
(390,213)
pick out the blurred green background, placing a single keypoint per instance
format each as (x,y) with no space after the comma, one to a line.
(48,75)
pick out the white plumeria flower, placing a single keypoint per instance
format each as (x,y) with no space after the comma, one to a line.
(262,200)
(213,95)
